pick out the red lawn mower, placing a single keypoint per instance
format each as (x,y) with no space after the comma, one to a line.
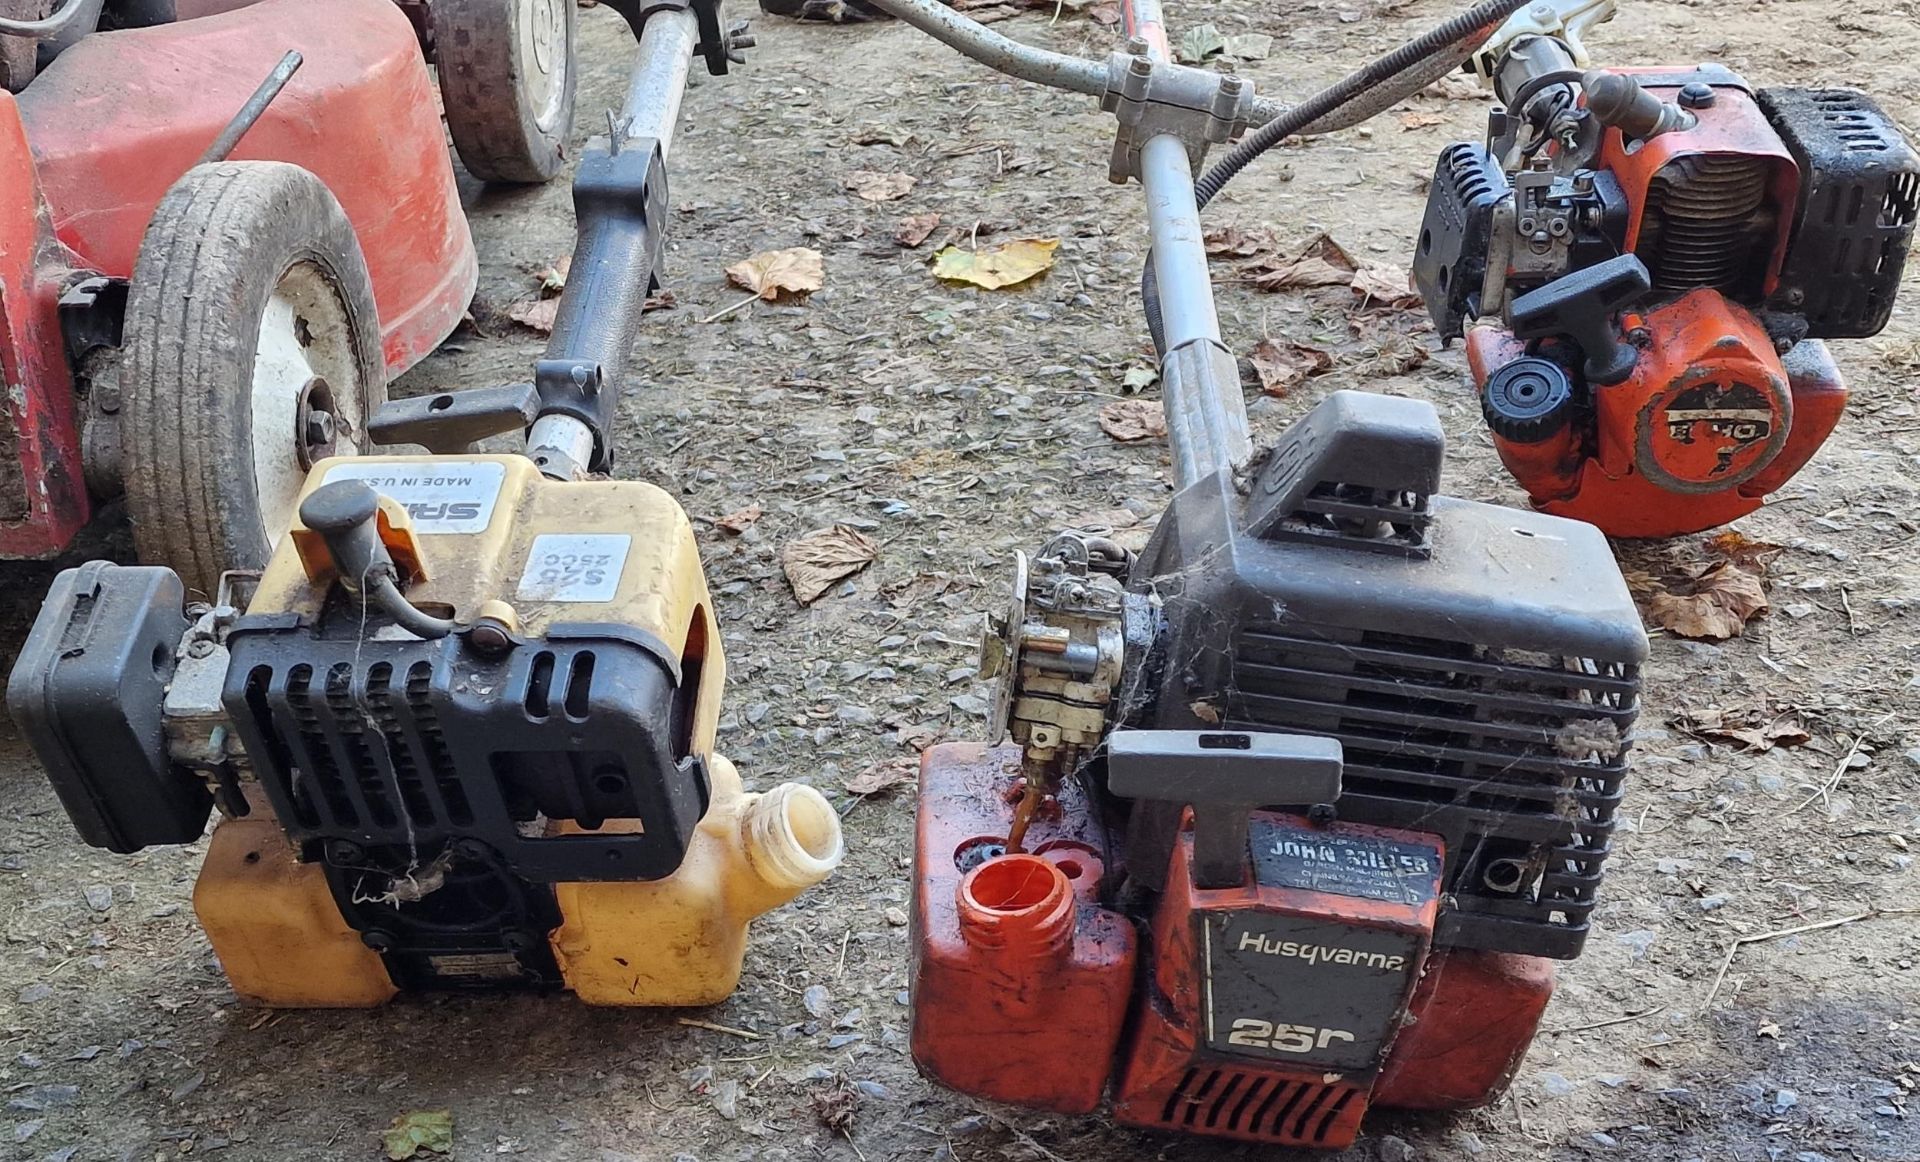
(207,280)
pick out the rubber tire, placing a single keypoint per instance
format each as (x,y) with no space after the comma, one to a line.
(492,121)
(218,245)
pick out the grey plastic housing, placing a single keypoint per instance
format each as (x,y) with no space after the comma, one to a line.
(86,692)
(1479,665)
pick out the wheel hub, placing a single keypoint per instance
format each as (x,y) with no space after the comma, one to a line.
(317,426)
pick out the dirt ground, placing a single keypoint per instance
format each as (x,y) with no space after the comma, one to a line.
(955,426)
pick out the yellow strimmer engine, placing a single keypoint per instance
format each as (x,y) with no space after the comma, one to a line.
(461,735)
(460,730)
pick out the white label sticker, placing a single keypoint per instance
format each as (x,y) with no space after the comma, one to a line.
(575,566)
(442,496)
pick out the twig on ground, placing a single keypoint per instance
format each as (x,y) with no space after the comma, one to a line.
(1840,769)
(729,1030)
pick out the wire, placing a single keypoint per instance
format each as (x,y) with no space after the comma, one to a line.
(48,26)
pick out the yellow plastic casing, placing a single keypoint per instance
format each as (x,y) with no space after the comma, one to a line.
(682,940)
(676,941)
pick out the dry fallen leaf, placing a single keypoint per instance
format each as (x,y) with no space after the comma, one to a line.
(874,186)
(537,314)
(1235,242)
(738,520)
(1422,120)
(1753,555)
(1003,264)
(817,560)
(1725,597)
(417,1130)
(884,777)
(1132,420)
(1105,15)
(1385,284)
(1282,365)
(1321,262)
(915,229)
(1755,736)
(780,274)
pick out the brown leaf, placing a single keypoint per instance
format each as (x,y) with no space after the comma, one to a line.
(1750,554)
(1105,15)
(1756,739)
(1321,262)
(1234,242)
(884,777)
(774,275)
(874,186)
(536,314)
(739,520)
(1132,420)
(816,561)
(1725,597)
(1385,284)
(1410,121)
(915,229)
(1281,366)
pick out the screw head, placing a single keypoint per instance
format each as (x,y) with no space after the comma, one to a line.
(320,428)
(1696,95)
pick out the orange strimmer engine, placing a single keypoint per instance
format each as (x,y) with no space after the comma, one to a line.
(1645,265)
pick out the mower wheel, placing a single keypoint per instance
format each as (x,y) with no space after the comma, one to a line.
(253,350)
(507,80)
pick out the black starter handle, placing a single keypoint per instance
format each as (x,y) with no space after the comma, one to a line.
(1581,306)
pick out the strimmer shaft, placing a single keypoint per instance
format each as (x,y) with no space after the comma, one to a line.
(619,198)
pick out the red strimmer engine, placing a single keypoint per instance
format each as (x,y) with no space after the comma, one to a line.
(1645,263)
(1307,800)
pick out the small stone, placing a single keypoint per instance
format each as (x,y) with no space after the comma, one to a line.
(970,1125)
(1798,609)
(30,1060)
(970,704)
(856,715)
(1604,1140)
(842,1040)
(873,1089)
(1739,855)
(1784,1100)
(33,994)
(817,1001)
(1557,1085)
(896,916)
(1710,903)
(726,1099)
(28,1129)
(852,1018)
(1771,783)
(1392,1149)
(99,897)
(698,1076)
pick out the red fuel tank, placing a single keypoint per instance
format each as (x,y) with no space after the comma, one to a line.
(1020,981)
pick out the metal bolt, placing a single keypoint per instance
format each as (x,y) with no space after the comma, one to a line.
(489,637)
(1136,46)
(201,648)
(320,428)
(1796,296)
(343,851)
